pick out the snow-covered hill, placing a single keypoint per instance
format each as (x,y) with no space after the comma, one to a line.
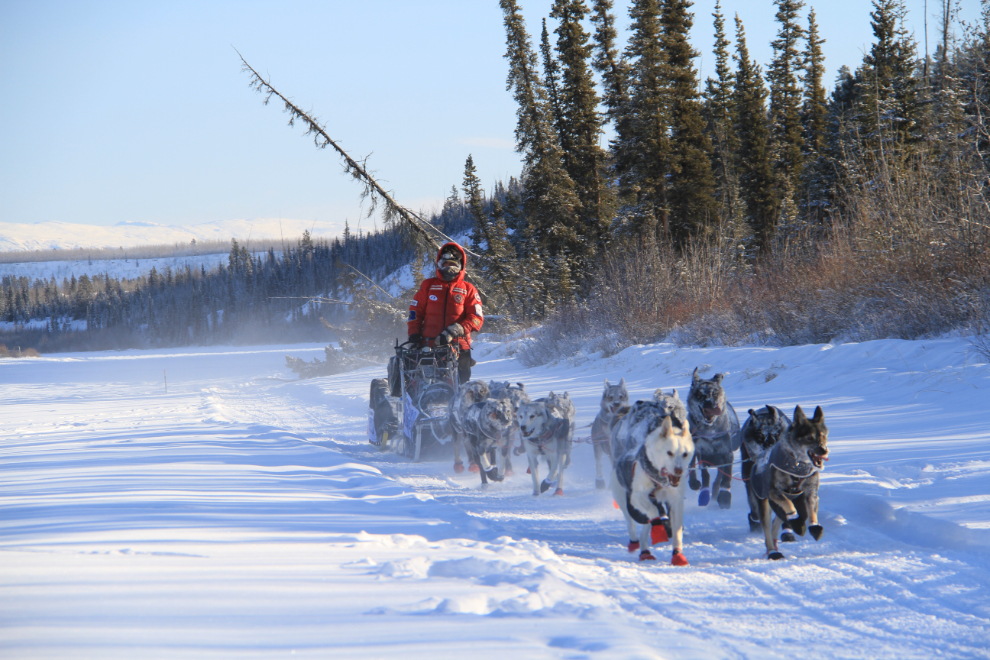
(66,235)
(244,515)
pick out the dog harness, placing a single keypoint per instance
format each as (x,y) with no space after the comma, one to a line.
(786,462)
(556,430)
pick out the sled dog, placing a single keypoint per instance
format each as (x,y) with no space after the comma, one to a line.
(647,479)
(467,395)
(785,479)
(516,394)
(547,429)
(486,429)
(762,430)
(715,430)
(614,399)
(671,404)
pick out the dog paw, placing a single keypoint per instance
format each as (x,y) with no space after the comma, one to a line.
(724,499)
(473,467)
(787,537)
(693,482)
(704,497)
(646,555)
(536,493)
(495,476)
(518,451)
(678,558)
(600,484)
(754,523)
(816,531)
(658,532)
(458,467)
(799,527)
(633,546)
(529,471)
(544,486)
(775,555)
(559,491)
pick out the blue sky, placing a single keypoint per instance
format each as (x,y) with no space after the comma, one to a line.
(138,112)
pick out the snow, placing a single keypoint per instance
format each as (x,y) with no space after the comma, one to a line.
(55,235)
(243,514)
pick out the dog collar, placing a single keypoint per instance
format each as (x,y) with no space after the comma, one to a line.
(650,469)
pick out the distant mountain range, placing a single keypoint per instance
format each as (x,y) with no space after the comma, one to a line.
(66,235)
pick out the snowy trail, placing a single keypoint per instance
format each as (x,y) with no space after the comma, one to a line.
(239,516)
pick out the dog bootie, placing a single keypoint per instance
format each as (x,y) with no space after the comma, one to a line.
(559,491)
(600,484)
(754,523)
(787,536)
(545,486)
(458,467)
(693,482)
(816,531)
(724,499)
(678,559)
(646,555)
(633,546)
(473,467)
(704,497)
(658,532)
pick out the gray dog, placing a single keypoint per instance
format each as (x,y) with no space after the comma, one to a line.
(486,427)
(785,479)
(615,399)
(715,430)
(467,395)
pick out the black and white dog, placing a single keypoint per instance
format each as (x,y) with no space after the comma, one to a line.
(615,398)
(715,430)
(785,479)
(547,429)
(486,427)
(653,450)
(467,395)
(760,432)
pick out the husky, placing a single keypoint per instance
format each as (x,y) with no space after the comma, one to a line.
(671,404)
(486,427)
(647,479)
(614,399)
(715,430)
(785,479)
(516,394)
(547,429)
(467,395)
(762,430)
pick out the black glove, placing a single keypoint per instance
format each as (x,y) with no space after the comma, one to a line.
(443,339)
(416,338)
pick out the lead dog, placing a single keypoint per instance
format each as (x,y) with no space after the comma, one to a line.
(762,430)
(486,427)
(785,479)
(516,395)
(715,429)
(547,429)
(647,480)
(614,399)
(467,395)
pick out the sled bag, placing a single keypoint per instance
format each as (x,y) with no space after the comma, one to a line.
(384,409)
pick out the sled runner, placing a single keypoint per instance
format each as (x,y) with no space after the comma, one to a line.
(421,382)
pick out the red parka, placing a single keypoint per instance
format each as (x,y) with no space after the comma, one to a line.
(438,303)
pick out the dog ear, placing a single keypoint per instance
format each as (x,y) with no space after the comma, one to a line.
(799,417)
(752,413)
(819,415)
(718,378)
(695,378)
(665,426)
(774,415)
(622,382)
(675,395)
(606,384)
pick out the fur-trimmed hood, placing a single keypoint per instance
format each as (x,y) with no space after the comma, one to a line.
(460,276)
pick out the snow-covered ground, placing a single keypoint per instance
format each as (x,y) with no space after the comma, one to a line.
(241,514)
(56,235)
(116,268)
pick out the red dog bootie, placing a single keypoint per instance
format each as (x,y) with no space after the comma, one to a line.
(458,467)
(633,546)
(658,533)
(678,559)
(559,491)
(473,467)
(646,555)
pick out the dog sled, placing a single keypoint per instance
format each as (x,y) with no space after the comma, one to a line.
(410,411)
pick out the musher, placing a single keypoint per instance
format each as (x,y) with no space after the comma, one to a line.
(447,309)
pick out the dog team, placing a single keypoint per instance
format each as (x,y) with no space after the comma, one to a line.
(651,446)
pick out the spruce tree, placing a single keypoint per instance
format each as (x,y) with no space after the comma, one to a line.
(785,104)
(642,153)
(608,61)
(691,197)
(720,114)
(585,161)
(550,202)
(551,78)
(756,172)
(814,117)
